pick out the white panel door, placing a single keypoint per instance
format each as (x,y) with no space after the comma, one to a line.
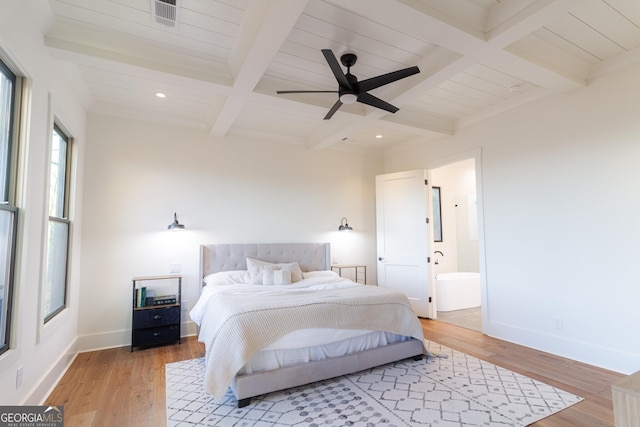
(403,236)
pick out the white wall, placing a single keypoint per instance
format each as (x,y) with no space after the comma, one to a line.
(224,191)
(42,352)
(561,209)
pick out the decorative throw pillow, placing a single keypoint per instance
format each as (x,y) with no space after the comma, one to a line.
(294,268)
(281,277)
(268,275)
(256,270)
(271,276)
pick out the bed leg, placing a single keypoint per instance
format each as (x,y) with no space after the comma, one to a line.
(244,402)
(417,357)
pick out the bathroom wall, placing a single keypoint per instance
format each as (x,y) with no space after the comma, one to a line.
(459,244)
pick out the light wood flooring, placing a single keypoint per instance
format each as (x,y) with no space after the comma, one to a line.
(115,387)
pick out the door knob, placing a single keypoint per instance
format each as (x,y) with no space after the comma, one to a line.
(380,258)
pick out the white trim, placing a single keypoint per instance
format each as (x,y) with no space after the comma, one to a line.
(122,338)
(575,350)
(41,326)
(41,391)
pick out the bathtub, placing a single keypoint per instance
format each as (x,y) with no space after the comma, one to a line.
(457,291)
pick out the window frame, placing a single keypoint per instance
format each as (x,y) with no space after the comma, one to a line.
(66,187)
(8,202)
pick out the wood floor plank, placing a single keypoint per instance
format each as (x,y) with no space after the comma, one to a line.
(116,387)
(589,382)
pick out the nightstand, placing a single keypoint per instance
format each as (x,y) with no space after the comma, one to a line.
(156,310)
(356,269)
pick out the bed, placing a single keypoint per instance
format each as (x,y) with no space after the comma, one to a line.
(274,316)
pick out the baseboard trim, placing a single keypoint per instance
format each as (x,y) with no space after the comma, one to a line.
(595,355)
(122,338)
(43,389)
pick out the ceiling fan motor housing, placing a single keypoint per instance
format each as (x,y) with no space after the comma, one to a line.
(348,59)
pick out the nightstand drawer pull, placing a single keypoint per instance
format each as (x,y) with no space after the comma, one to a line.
(157,316)
(157,334)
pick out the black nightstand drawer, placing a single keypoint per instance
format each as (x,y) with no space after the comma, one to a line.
(156,317)
(153,336)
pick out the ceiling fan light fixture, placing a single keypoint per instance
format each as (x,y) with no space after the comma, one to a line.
(350,90)
(348,98)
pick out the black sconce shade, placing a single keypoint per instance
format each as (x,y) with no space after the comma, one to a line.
(175,225)
(344,226)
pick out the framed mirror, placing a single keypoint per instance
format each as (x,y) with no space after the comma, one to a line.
(437,214)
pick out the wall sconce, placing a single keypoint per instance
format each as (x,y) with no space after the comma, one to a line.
(175,225)
(344,226)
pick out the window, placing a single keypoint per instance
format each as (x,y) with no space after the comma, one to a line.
(8,210)
(55,286)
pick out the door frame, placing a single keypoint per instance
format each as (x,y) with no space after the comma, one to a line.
(475,154)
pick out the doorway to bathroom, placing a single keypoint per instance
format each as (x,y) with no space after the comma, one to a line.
(456,246)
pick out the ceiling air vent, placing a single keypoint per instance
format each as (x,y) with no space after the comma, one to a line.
(165,12)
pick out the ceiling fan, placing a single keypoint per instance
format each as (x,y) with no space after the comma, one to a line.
(350,89)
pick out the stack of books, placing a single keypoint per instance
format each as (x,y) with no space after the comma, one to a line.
(141,297)
(144,297)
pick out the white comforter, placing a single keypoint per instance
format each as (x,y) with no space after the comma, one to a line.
(240,319)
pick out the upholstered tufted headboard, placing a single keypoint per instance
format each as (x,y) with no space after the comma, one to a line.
(225,257)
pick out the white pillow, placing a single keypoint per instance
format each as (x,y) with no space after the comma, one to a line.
(256,270)
(294,268)
(275,277)
(319,273)
(267,275)
(226,278)
(255,267)
(282,277)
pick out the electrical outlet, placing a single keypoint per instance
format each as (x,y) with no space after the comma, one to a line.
(19,377)
(175,267)
(185,304)
(558,323)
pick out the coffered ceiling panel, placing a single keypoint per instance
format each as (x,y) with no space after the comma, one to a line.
(220,62)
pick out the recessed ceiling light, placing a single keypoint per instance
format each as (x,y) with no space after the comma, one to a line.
(161,95)
(378,136)
(514,88)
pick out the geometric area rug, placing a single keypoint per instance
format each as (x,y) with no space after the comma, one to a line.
(454,389)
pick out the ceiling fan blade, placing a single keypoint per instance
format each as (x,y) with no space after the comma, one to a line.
(306,91)
(336,69)
(369,99)
(333,109)
(374,82)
